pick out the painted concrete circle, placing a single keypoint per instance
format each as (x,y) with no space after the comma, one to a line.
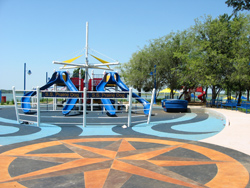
(120,162)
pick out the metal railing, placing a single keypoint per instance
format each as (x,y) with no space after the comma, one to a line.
(47,110)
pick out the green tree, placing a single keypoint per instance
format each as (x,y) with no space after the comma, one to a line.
(135,72)
(76,73)
(214,53)
(240,48)
(238,5)
(188,73)
(156,50)
(212,50)
(159,54)
(172,64)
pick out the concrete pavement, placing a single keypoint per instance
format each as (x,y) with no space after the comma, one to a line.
(236,134)
(69,156)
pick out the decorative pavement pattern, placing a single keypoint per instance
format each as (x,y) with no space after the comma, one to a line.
(165,153)
(119,162)
(188,126)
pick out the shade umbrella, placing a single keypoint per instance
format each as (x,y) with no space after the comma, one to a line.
(168,90)
(225,98)
(243,97)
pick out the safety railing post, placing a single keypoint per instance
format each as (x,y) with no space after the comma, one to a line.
(92,88)
(54,99)
(38,105)
(129,107)
(15,102)
(151,106)
(84,106)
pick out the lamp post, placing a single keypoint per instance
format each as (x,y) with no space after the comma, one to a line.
(155,83)
(29,73)
(154,78)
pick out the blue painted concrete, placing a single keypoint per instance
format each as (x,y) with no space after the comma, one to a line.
(212,124)
(45,131)
(95,130)
(7,130)
(188,131)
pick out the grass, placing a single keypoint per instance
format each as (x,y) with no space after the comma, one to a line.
(7,103)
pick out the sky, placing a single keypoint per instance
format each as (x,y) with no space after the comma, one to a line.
(37,32)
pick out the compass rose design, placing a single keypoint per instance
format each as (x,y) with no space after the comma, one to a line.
(115,162)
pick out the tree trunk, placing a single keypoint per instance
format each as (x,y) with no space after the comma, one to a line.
(184,91)
(181,95)
(171,94)
(213,92)
(205,96)
(239,99)
(139,90)
(240,94)
(248,94)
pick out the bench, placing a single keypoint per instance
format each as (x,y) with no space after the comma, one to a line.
(210,103)
(214,102)
(229,103)
(174,105)
(244,105)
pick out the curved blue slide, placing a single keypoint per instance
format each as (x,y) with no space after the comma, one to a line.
(115,79)
(106,102)
(57,77)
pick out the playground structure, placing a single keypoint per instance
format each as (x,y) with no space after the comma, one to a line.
(80,95)
(43,113)
(114,78)
(201,96)
(62,78)
(189,93)
(174,105)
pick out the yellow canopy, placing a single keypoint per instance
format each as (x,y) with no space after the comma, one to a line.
(168,90)
(71,60)
(225,98)
(101,60)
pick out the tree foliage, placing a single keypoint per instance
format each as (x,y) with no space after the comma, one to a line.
(238,5)
(76,73)
(214,53)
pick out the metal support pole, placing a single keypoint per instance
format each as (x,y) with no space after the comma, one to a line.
(87,60)
(130,107)
(116,100)
(38,105)
(47,98)
(80,76)
(84,106)
(92,89)
(15,101)
(151,106)
(54,99)
(155,83)
(80,87)
(24,78)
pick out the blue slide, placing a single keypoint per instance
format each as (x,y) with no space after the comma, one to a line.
(106,102)
(57,77)
(115,79)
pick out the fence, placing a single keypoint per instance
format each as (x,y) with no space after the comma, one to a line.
(47,107)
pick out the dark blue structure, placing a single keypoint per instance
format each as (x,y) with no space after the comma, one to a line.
(57,77)
(114,78)
(174,105)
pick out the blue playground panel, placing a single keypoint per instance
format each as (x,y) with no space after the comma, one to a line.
(174,105)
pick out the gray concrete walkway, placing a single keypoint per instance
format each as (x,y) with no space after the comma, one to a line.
(236,134)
